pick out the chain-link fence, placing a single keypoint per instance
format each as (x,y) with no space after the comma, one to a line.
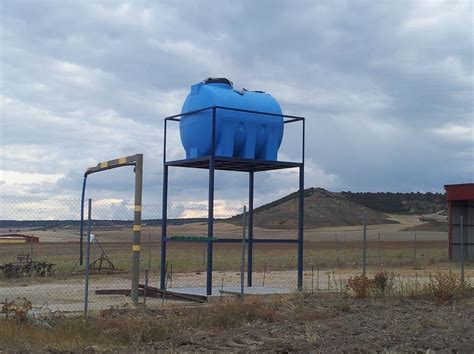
(39,251)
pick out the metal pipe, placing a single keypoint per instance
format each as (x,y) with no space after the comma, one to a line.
(81,225)
(258,112)
(300,229)
(164,215)
(242,258)
(250,237)
(415,247)
(137,161)
(364,252)
(295,118)
(88,252)
(190,112)
(378,244)
(210,225)
(137,222)
(301,210)
(461,227)
(234,240)
(145,288)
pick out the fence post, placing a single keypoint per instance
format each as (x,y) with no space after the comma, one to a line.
(378,244)
(317,280)
(415,248)
(461,228)
(242,259)
(364,252)
(88,254)
(264,273)
(145,289)
(337,250)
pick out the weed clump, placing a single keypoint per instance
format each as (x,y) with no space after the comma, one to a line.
(360,286)
(444,287)
(383,282)
(17,310)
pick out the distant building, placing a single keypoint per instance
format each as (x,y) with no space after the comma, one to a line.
(460,198)
(17,238)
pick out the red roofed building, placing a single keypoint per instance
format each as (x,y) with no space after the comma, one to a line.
(17,238)
(460,198)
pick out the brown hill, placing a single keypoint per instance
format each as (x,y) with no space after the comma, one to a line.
(322,208)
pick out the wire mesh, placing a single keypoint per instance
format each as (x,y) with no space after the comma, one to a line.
(411,247)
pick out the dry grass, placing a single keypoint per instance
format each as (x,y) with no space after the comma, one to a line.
(131,327)
(360,286)
(442,287)
(72,333)
(125,327)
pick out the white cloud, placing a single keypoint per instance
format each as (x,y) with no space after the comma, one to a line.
(456,133)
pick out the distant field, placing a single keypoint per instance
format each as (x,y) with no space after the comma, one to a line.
(403,230)
(325,247)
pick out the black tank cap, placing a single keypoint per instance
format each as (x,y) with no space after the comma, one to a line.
(217,80)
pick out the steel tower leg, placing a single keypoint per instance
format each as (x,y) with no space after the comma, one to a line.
(250,237)
(210,222)
(300,228)
(164,224)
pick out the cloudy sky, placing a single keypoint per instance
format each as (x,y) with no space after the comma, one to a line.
(386,86)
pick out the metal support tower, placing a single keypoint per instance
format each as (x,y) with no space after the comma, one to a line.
(213,163)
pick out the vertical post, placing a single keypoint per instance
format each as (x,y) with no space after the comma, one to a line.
(88,252)
(317,279)
(81,226)
(137,222)
(415,247)
(264,274)
(364,246)
(300,229)
(450,232)
(378,244)
(210,225)
(301,212)
(145,289)
(250,237)
(94,242)
(337,250)
(164,215)
(461,240)
(242,258)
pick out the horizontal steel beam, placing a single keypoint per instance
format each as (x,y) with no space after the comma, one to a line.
(292,118)
(234,240)
(108,165)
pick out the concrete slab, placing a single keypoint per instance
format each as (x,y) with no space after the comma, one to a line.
(232,290)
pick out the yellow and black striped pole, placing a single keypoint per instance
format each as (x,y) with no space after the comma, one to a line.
(137,225)
(137,161)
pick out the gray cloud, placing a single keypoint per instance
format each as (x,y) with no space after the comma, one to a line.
(386,88)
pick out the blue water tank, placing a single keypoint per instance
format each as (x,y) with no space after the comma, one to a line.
(238,134)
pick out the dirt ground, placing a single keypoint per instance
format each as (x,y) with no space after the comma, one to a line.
(67,295)
(319,323)
(344,325)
